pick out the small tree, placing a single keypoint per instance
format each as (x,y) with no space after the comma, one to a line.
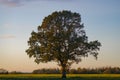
(61,38)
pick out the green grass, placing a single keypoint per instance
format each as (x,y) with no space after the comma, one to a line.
(58,77)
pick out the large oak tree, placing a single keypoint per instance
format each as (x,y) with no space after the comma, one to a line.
(61,38)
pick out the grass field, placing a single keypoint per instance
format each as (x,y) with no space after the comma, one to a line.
(58,77)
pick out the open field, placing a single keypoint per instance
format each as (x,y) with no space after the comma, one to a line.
(58,77)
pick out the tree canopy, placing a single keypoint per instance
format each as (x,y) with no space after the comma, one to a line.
(61,38)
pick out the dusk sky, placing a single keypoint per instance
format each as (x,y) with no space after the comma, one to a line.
(18,18)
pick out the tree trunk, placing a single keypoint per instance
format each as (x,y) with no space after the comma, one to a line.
(63,71)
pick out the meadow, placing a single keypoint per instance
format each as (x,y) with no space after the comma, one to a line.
(58,77)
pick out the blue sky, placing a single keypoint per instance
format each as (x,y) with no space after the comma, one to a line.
(18,18)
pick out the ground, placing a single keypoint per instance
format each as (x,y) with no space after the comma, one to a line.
(58,77)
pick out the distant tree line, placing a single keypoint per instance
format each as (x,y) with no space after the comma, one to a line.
(103,70)
(3,71)
(47,71)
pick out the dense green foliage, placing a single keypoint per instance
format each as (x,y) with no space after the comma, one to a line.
(61,38)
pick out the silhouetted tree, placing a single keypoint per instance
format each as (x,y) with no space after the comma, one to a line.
(61,38)
(3,71)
